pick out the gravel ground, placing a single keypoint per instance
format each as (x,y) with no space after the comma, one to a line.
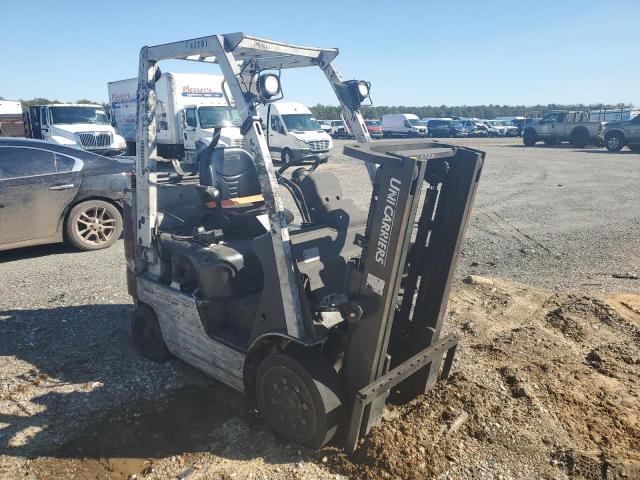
(76,400)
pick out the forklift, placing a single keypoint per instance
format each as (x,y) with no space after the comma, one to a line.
(318,319)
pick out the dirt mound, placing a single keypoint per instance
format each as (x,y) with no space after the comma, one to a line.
(546,387)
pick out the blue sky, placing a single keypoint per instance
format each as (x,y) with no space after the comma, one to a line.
(413,52)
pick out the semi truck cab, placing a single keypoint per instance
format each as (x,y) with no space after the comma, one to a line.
(82,126)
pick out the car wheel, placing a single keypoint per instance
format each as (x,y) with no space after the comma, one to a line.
(147,335)
(93,225)
(287,156)
(529,137)
(580,138)
(301,396)
(614,142)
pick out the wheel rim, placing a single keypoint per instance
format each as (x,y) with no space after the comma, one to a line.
(613,143)
(96,225)
(288,404)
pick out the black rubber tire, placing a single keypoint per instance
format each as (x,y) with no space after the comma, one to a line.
(287,157)
(634,147)
(147,336)
(104,236)
(614,142)
(529,137)
(301,397)
(580,138)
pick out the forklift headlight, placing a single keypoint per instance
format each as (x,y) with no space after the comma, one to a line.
(363,89)
(268,86)
(354,92)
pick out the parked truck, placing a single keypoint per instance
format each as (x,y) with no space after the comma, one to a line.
(564,126)
(84,126)
(618,134)
(11,119)
(189,106)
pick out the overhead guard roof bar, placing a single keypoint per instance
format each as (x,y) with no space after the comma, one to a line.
(265,54)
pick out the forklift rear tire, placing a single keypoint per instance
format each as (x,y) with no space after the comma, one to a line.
(301,396)
(147,336)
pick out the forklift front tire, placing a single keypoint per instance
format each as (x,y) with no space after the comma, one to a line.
(147,336)
(301,397)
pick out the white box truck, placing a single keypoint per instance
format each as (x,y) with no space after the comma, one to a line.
(293,134)
(405,124)
(189,106)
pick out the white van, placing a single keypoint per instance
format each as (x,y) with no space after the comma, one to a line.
(293,134)
(405,124)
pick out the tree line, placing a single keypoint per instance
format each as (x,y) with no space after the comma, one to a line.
(45,101)
(331,112)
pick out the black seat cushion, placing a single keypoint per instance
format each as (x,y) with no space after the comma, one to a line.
(219,271)
(231,171)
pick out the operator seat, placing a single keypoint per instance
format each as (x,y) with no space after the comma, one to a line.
(233,173)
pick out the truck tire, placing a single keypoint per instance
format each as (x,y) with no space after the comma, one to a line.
(529,137)
(287,156)
(93,225)
(580,138)
(614,142)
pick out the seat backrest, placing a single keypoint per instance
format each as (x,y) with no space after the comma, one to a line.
(231,171)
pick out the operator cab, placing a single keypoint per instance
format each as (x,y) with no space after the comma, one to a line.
(213,240)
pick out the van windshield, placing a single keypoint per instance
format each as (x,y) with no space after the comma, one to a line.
(301,122)
(218,117)
(413,122)
(72,115)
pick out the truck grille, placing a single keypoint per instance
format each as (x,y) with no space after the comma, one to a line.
(95,140)
(318,145)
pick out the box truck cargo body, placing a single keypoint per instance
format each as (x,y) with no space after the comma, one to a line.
(189,106)
(11,120)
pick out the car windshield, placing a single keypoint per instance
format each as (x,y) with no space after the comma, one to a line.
(71,115)
(455,123)
(413,122)
(218,117)
(301,122)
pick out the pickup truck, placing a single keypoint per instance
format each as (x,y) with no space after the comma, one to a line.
(564,126)
(618,134)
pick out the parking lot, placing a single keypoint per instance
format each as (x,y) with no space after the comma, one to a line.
(77,399)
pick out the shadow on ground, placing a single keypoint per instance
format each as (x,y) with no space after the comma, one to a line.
(80,390)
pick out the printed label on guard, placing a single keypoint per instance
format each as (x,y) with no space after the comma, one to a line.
(376,284)
(387,221)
